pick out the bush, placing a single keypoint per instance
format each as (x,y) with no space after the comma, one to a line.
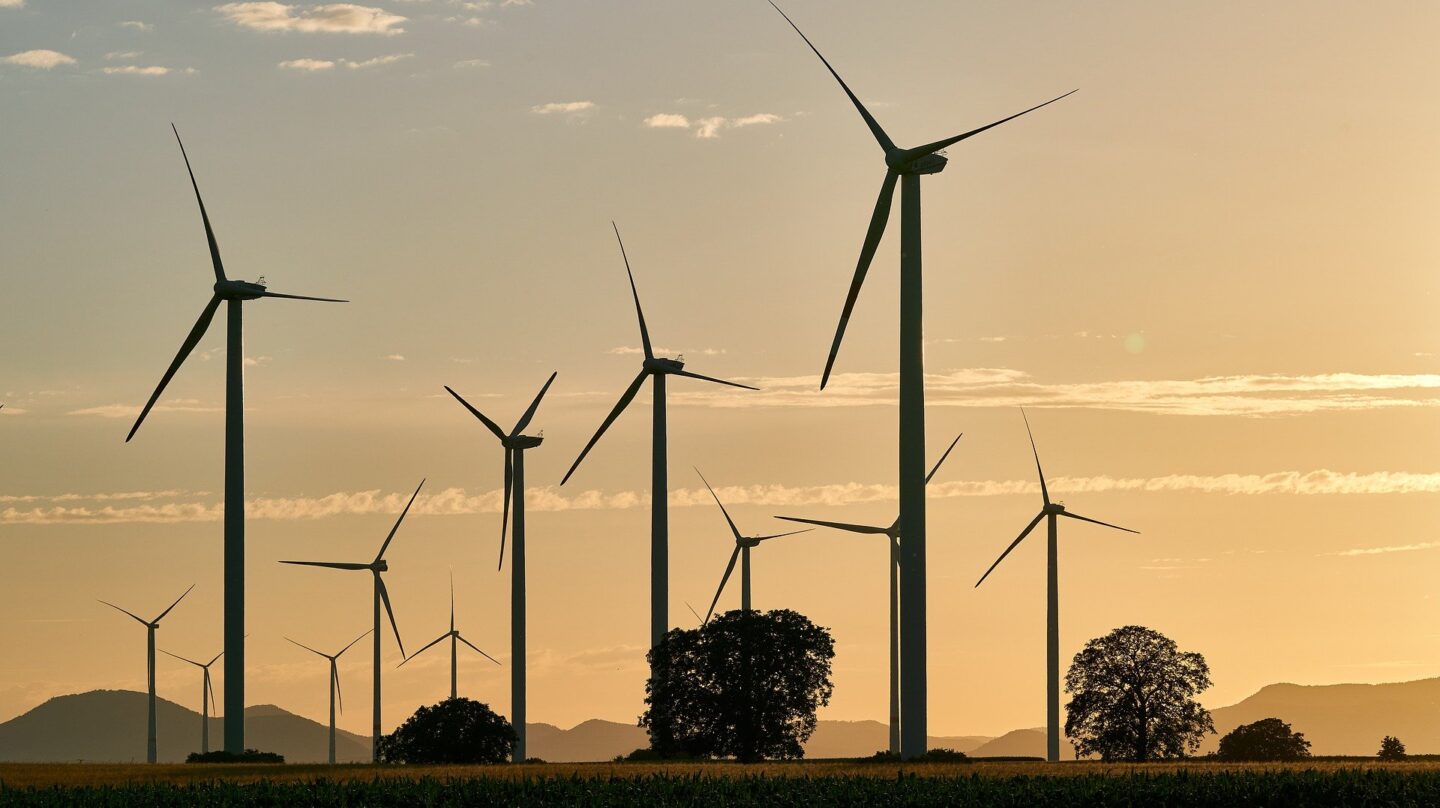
(944,755)
(221,756)
(1266,739)
(454,731)
(1391,748)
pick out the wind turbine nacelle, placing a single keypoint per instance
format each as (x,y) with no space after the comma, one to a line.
(380,566)
(238,290)
(1055,507)
(660,364)
(524,442)
(927,164)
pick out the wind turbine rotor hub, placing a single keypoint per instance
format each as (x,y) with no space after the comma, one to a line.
(1055,507)
(660,364)
(522,442)
(238,290)
(900,163)
(380,566)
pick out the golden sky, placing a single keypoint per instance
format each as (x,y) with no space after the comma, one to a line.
(1210,275)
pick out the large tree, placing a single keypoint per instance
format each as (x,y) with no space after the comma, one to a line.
(1266,739)
(1134,697)
(744,685)
(454,731)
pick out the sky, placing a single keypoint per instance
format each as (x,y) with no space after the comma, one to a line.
(1209,276)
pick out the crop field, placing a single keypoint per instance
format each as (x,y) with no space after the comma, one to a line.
(815,783)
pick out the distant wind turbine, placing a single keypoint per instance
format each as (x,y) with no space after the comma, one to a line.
(232,293)
(375,569)
(454,637)
(905,166)
(893,532)
(334,684)
(515,443)
(656,368)
(150,627)
(743,545)
(1049,511)
(207,696)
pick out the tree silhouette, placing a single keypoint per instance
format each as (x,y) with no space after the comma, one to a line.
(453,731)
(1391,748)
(1266,739)
(1134,697)
(743,685)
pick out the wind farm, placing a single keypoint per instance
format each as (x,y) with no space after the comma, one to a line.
(1205,283)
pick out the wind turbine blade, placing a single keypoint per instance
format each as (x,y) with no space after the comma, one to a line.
(391,536)
(335,674)
(878,220)
(142,620)
(181,658)
(534,405)
(452,600)
(482,653)
(880,136)
(505,520)
(625,399)
(204,217)
(1097,521)
(303,297)
(385,597)
(214,659)
(644,332)
(931,148)
(728,520)
(173,605)
(210,688)
(191,340)
(698,618)
(941,461)
(783,535)
(837,525)
(307,648)
(1013,545)
(1044,492)
(493,427)
(710,379)
(422,650)
(352,642)
(334,565)
(729,568)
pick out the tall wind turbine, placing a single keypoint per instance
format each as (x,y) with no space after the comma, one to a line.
(893,532)
(1051,512)
(907,166)
(232,293)
(207,696)
(454,637)
(656,368)
(150,627)
(515,443)
(743,545)
(334,684)
(375,568)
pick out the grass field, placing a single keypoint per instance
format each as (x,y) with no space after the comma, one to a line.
(814,783)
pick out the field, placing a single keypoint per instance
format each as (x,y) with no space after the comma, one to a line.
(719,784)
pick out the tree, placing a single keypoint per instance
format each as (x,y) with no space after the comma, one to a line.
(1266,739)
(1391,748)
(454,731)
(1134,697)
(743,685)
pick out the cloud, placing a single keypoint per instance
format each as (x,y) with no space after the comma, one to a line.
(113,55)
(136,25)
(308,65)
(1254,395)
(333,18)
(1394,548)
(132,410)
(636,350)
(563,107)
(38,59)
(395,357)
(457,501)
(708,128)
(666,120)
(12,3)
(136,70)
(471,63)
(317,65)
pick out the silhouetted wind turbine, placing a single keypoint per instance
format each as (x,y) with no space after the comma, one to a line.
(334,684)
(150,627)
(657,368)
(233,293)
(375,568)
(893,532)
(1050,511)
(515,445)
(743,544)
(906,166)
(207,696)
(453,636)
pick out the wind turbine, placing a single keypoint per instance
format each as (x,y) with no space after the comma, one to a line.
(906,166)
(743,545)
(515,443)
(375,568)
(150,627)
(232,293)
(1051,512)
(893,532)
(207,696)
(453,636)
(334,684)
(657,368)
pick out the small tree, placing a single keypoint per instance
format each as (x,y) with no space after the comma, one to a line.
(1391,748)
(453,731)
(743,685)
(1134,697)
(1266,739)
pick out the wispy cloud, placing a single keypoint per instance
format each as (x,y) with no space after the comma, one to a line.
(12,3)
(636,350)
(334,18)
(113,55)
(708,128)
(1393,548)
(395,357)
(307,65)
(465,64)
(136,25)
(317,65)
(563,107)
(38,59)
(160,508)
(136,70)
(132,410)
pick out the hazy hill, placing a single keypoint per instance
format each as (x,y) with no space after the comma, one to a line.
(1344,719)
(841,739)
(1022,743)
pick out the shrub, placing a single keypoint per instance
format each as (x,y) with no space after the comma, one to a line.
(221,756)
(1391,748)
(1266,739)
(454,731)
